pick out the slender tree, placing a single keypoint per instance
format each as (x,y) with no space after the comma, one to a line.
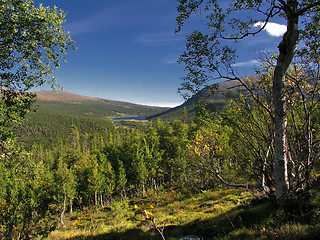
(66,185)
(206,54)
(121,180)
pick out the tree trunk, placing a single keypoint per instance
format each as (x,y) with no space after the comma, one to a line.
(123,195)
(264,184)
(71,208)
(143,190)
(64,206)
(101,201)
(287,49)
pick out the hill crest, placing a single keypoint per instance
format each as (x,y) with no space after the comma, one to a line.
(62,96)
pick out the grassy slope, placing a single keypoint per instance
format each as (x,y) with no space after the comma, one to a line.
(225,214)
(56,111)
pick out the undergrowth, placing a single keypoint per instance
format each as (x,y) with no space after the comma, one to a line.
(224,214)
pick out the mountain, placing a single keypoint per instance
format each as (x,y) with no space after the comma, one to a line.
(62,96)
(66,102)
(55,111)
(216,95)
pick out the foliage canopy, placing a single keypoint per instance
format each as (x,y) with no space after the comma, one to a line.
(33,42)
(210,56)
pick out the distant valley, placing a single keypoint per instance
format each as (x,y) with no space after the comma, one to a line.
(98,107)
(55,111)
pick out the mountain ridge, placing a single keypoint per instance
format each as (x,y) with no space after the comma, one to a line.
(61,95)
(216,94)
(55,111)
(216,97)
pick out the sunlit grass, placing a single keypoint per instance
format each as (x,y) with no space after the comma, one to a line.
(224,214)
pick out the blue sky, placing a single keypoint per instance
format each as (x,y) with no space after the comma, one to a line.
(127,50)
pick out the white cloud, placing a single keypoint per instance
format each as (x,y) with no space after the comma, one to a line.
(249,63)
(158,38)
(171,59)
(273,29)
(163,104)
(108,17)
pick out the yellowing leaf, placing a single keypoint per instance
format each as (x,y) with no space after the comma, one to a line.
(148,215)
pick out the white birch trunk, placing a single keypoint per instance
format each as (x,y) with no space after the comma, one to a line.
(287,49)
(64,206)
(71,208)
(101,201)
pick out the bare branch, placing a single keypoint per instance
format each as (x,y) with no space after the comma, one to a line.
(269,15)
(307,8)
(255,98)
(246,186)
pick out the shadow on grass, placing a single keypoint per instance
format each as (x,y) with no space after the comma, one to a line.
(133,234)
(238,218)
(259,219)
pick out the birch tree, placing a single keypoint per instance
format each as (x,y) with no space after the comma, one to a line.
(33,43)
(66,187)
(210,55)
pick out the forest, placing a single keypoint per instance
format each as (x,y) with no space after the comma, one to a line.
(229,147)
(247,169)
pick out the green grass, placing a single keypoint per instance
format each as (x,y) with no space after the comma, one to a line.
(225,214)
